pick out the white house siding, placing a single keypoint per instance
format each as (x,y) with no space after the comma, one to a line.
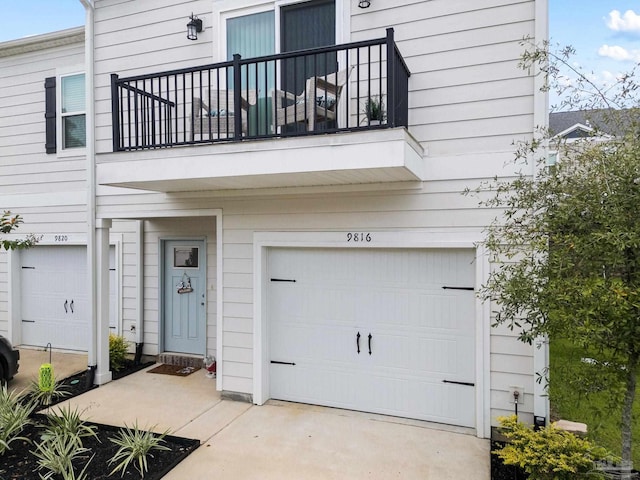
(46,190)
(468,103)
(466,94)
(136,37)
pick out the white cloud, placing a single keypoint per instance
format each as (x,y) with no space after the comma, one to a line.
(619,53)
(627,22)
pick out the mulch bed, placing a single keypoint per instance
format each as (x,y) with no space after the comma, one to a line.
(19,462)
(500,471)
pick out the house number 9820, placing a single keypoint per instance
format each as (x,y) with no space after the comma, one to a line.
(358,237)
(61,238)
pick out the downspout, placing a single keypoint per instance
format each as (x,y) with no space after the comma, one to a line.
(140,288)
(91,182)
(541,407)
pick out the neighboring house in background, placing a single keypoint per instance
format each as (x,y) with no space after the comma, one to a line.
(246,207)
(601,125)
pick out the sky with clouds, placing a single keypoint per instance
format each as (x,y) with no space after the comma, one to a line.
(605,33)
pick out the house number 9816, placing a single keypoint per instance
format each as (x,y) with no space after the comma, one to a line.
(358,237)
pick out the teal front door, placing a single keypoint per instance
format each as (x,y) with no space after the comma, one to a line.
(184,297)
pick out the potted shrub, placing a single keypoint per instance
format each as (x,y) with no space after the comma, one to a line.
(374,110)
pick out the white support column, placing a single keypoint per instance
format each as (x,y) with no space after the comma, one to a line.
(103,374)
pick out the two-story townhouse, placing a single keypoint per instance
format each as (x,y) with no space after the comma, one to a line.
(43,168)
(260,212)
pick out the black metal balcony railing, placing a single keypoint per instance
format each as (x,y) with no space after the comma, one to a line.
(360,85)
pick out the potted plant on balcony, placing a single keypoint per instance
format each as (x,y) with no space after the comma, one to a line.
(374,110)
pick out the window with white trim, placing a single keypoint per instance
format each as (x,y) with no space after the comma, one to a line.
(72,111)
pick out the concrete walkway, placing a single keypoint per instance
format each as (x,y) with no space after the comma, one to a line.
(282,440)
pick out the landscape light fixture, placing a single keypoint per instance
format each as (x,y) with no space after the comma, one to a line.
(364,4)
(194,27)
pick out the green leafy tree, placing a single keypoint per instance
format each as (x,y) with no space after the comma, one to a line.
(8,224)
(567,245)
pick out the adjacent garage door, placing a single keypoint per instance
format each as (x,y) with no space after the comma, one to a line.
(54,296)
(384,331)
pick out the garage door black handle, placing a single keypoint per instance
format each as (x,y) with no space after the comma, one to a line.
(370,337)
(71,306)
(358,342)
(66,302)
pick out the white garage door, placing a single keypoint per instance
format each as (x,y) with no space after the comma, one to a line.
(384,331)
(54,296)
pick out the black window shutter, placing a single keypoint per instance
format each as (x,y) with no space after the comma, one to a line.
(50,113)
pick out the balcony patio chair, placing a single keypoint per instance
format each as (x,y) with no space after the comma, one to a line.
(214,116)
(318,102)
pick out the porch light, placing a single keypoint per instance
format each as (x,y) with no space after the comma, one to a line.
(194,27)
(364,4)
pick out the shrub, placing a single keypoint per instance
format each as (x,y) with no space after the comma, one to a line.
(44,397)
(118,349)
(135,446)
(14,417)
(67,423)
(549,453)
(56,454)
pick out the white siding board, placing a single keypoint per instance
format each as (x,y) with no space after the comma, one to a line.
(237,354)
(239,370)
(520,87)
(508,345)
(236,384)
(470,111)
(239,325)
(238,310)
(238,295)
(508,363)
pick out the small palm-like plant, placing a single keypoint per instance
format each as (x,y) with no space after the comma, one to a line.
(135,446)
(374,109)
(14,417)
(46,396)
(67,423)
(56,454)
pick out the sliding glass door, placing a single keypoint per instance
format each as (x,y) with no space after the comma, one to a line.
(303,25)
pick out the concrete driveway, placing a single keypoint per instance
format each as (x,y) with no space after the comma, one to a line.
(64,365)
(283,440)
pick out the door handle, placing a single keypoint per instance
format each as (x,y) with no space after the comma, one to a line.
(71,306)
(358,342)
(66,302)
(370,337)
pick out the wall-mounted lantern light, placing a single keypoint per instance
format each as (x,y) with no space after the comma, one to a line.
(364,4)
(194,27)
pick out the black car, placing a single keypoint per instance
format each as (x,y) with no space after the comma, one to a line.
(8,360)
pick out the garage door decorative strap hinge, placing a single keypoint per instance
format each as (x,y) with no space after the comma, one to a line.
(458,288)
(282,280)
(282,363)
(466,384)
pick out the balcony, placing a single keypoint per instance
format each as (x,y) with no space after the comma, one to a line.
(283,118)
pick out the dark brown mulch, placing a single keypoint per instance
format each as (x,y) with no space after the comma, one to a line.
(500,471)
(20,463)
(81,382)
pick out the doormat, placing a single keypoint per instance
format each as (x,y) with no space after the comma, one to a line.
(178,370)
